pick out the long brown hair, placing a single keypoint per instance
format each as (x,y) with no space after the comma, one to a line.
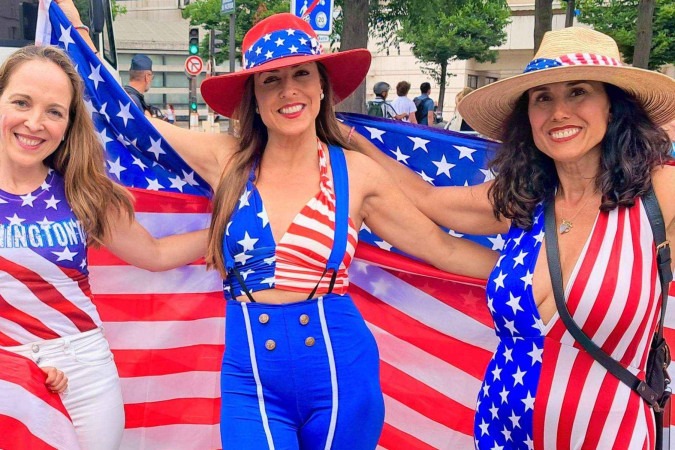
(79,158)
(252,142)
(631,148)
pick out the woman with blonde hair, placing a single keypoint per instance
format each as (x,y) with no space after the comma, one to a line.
(55,201)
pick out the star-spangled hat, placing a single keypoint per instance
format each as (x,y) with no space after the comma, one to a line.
(284,40)
(569,54)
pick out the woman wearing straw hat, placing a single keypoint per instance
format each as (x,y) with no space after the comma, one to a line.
(579,132)
(301,367)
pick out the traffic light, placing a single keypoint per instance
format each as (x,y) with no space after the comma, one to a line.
(193,103)
(193,42)
(215,42)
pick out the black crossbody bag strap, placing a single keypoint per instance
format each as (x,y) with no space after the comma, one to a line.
(609,363)
(658,225)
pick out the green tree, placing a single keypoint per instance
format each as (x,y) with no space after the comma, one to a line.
(117,9)
(618,18)
(206,14)
(440,32)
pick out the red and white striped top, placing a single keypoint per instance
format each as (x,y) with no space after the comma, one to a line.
(297,262)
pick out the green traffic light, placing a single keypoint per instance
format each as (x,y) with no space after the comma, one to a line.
(193,106)
(194,49)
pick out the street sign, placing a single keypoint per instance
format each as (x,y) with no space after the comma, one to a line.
(193,65)
(227,6)
(319,14)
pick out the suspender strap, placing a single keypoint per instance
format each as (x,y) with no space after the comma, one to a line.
(341,191)
(609,363)
(242,283)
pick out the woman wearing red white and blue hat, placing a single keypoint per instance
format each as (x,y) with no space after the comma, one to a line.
(301,368)
(581,147)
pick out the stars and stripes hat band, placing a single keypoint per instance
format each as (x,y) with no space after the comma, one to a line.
(284,40)
(569,54)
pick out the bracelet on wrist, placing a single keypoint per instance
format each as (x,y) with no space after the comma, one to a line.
(349,135)
(82,27)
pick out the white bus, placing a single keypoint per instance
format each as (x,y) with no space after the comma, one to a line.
(18,19)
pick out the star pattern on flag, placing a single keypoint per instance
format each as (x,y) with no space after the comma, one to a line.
(439,158)
(504,415)
(43,223)
(131,142)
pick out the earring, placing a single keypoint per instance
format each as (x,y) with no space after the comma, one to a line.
(321,97)
(257,111)
(63,138)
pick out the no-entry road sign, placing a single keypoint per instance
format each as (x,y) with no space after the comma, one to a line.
(193,65)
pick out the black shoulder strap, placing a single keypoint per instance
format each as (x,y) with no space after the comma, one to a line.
(656,221)
(609,363)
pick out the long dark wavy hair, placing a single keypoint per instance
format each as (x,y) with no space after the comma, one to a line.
(631,148)
(252,142)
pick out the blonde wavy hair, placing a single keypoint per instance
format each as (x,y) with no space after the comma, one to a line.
(80,157)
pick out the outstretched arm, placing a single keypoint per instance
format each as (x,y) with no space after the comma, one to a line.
(130,241)
(71,12)
(392,216)
(463,209)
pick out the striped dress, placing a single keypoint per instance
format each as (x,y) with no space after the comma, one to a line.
(541,390)
(297,262)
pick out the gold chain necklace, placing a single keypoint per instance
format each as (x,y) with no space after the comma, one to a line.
(566,224)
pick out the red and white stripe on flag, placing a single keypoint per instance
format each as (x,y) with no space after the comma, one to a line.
(166,329)
(31,417)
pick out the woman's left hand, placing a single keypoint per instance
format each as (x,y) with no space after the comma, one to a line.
(56,380)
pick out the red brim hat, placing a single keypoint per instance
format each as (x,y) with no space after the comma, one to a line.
(284,40)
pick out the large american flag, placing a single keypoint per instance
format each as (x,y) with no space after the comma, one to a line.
(166,329)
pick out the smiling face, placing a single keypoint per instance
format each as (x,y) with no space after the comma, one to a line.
(569,119)
(289,99)
(34,108)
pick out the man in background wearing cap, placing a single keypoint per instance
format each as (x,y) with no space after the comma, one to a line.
(140,79)
(380,107)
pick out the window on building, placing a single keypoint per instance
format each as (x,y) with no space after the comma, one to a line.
(472,81)
(490,80)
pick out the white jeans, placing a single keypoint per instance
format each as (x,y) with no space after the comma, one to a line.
(94,397)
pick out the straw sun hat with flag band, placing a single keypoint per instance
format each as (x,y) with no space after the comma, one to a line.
(570,54)
(284,40)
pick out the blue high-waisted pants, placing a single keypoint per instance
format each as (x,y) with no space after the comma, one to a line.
(300,376)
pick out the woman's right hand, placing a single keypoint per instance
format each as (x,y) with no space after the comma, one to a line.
(71,12)
(56,380)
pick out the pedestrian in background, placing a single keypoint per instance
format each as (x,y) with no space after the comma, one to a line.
(140,80)
(380,107)
(404,107)
(425,106)
(457,123)
(170,114)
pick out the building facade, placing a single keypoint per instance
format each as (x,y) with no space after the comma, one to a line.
(156,28)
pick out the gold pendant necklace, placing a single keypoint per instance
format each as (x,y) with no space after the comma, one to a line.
(566,225)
